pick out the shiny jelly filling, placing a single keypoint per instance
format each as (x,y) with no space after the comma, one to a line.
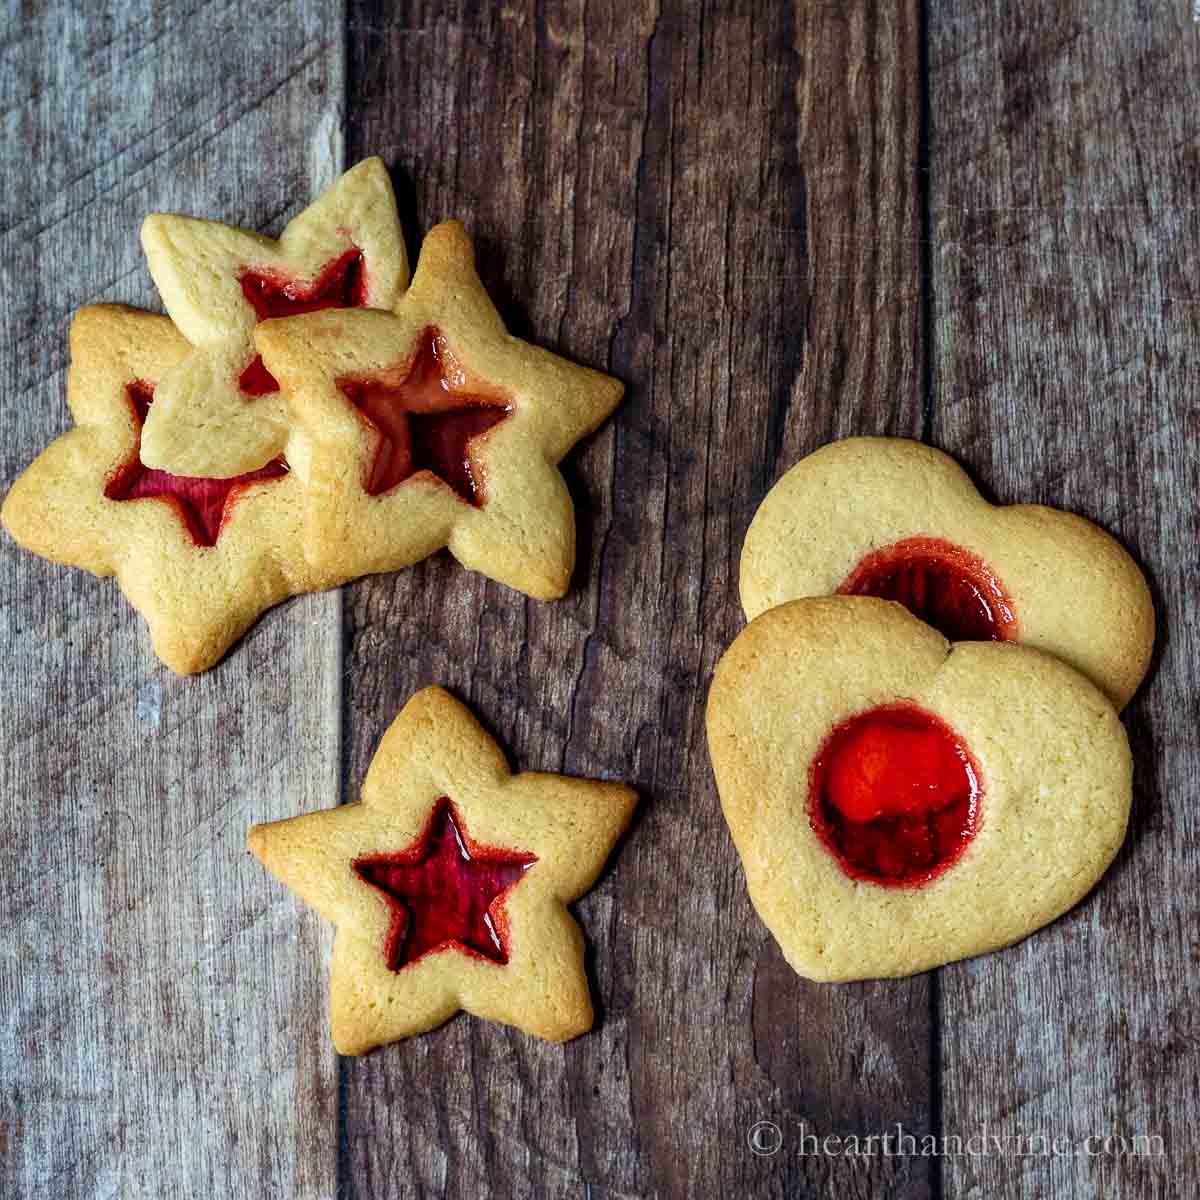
(426,420)
(201,504)
(946,586)
(894,795)
(341,284)
(444,890)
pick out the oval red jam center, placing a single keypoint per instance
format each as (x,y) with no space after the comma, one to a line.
(341,283)
(425,417)
(894,795)
(946,586)
(444,891)
(201,504)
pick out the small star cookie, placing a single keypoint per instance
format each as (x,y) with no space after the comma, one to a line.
(900,801)
(448,883)
(901,521)
(432,426)
(200,559)
(219,412)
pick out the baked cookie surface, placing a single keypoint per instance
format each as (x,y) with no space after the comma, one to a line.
(899,801)
(218,412)
(431,426)
(199,559)
(899,520)
(448,883)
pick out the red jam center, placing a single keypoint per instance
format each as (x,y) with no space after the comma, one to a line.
(444,891)
(946,586)
(202,504)
(256,380)
(426,421)
(894,795)
(341,284)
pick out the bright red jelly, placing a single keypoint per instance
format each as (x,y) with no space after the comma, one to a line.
(946,586)
(426,421)
(341,284)
(444,890)
(201,504)
(894,795)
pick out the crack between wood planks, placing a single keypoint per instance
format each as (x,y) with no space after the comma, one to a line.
(333,139)
(925,245)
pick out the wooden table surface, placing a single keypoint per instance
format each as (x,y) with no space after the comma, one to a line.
(778,225)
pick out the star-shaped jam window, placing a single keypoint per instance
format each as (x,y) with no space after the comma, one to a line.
(431,426)
(219,412)
(443,892)
(200,559)
(426,419)
(201,504)
(448,883)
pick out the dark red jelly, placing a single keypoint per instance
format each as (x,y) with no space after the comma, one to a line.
(894,795)
(425,421)
(201,504)
(444,890)
(341,284)
(256,380)
(946,586)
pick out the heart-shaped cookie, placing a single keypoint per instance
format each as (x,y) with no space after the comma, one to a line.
(900,801)
(899,520)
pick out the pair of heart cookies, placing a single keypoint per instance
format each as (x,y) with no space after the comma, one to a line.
(916,739)
(305,415)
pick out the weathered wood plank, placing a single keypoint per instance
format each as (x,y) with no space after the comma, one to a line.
(721,204)
(162,1002)
(1065,231)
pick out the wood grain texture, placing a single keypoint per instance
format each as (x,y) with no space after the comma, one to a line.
(158,995)
(719,204)
(778,224)
(1063,166)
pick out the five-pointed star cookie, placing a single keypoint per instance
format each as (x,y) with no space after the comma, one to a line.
(448,883)
(431,426)
(200,559)
(218,412)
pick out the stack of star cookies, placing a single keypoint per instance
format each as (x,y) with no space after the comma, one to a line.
(301,417)
(916,739)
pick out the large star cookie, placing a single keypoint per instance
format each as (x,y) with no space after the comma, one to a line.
(432,426)
(200,559)
(899,520)
(219,412)
(899,801)
(448,883)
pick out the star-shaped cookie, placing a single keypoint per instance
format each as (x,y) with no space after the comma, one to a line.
(200,559)
(431,426)
(218,412)
(448,883)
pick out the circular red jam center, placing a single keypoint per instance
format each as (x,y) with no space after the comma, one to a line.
(894,795)
(946,586)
